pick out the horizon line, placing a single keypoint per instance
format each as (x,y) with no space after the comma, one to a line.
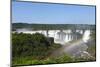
(50,23)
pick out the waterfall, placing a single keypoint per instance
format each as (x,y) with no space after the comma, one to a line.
(61,36)
(86,35)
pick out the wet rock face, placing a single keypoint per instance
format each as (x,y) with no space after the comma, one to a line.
(50,40)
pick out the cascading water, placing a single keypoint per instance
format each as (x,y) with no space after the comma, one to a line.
(86,35)
(76,49)
(62,37)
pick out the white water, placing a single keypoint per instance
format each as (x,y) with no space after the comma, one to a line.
(86,35)
(64,38)
(75,49)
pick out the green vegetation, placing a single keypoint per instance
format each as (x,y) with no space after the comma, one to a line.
(49,60)
(92,45)
(93,34)
(51,26)
(92,50)
(31,46)
(36,49)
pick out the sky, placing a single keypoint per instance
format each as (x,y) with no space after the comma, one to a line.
(44,13)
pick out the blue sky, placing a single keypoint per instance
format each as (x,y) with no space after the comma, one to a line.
(43,13)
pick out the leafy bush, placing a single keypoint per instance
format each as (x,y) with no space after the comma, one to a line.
(34,45)
(50,60)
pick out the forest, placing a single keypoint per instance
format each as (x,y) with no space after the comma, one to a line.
(31,46)
(51,26)
(35,49)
